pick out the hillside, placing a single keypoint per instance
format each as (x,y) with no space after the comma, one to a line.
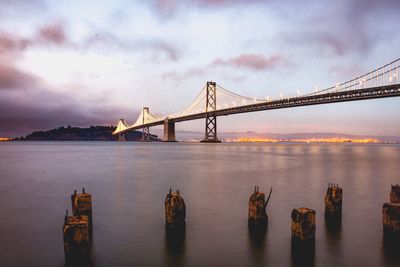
(93,133)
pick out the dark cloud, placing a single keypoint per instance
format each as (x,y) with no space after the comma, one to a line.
(22,117)
(40,108)
(12,78)
(252,61)
(28,103)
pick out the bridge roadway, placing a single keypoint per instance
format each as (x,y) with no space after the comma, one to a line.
(316,99)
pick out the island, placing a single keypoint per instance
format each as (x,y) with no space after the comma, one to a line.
(92,133)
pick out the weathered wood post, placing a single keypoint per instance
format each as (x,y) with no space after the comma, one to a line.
(333,203)
(391,214)
(395,194)
(76,238)
(82,205)
(303,224)
(257,216)
(175,210)
(303,236)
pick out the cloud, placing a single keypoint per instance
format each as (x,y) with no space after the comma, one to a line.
(252,61)
(28,103)
(158,46)
(167,8)
(179,76)
(12,44)
(12,78)
(52,33)
(41,108)
(248,61)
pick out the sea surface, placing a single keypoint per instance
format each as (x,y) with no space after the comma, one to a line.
(129,182)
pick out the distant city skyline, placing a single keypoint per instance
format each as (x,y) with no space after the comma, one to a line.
(94,62)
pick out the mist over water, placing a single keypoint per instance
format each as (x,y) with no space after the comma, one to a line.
(129,182)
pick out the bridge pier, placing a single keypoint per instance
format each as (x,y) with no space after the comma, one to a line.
(211,119)
(121,137)
(169,131)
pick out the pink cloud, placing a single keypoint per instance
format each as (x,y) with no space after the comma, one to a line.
(252,61)
(10,43)
(53,33)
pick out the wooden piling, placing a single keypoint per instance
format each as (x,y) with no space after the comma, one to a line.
(257,215)
(76,238)
(391,214)
(395,194)
(82,205)
(333,202)
(175,210)
(391,218)
(303,237)
(303,224)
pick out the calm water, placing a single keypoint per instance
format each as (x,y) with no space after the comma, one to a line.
(129,182)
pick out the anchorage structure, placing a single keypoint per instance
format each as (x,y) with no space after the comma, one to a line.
(379,83)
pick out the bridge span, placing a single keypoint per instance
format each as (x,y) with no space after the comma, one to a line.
(382,82)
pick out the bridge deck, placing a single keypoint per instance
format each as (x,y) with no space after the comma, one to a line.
(335,97)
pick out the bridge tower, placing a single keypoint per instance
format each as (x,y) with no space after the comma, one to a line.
(146,130)
(169,131)
(211,119)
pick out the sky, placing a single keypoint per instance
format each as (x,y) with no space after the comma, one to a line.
(85,63)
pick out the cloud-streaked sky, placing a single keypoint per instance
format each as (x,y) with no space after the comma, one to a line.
(92,62)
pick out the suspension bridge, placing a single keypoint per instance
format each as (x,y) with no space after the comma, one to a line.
(381,82)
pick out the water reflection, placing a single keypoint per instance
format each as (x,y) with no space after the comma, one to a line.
(333,238)
(303,252)
(333,225)
(257,236)
(391,248)
(175,245)
(78,261)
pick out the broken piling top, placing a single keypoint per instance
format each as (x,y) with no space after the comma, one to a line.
(334,191)
(333,201)
(82,204)
(76,236)
(257,206)
(175,209)
(395,194)
(303,223)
